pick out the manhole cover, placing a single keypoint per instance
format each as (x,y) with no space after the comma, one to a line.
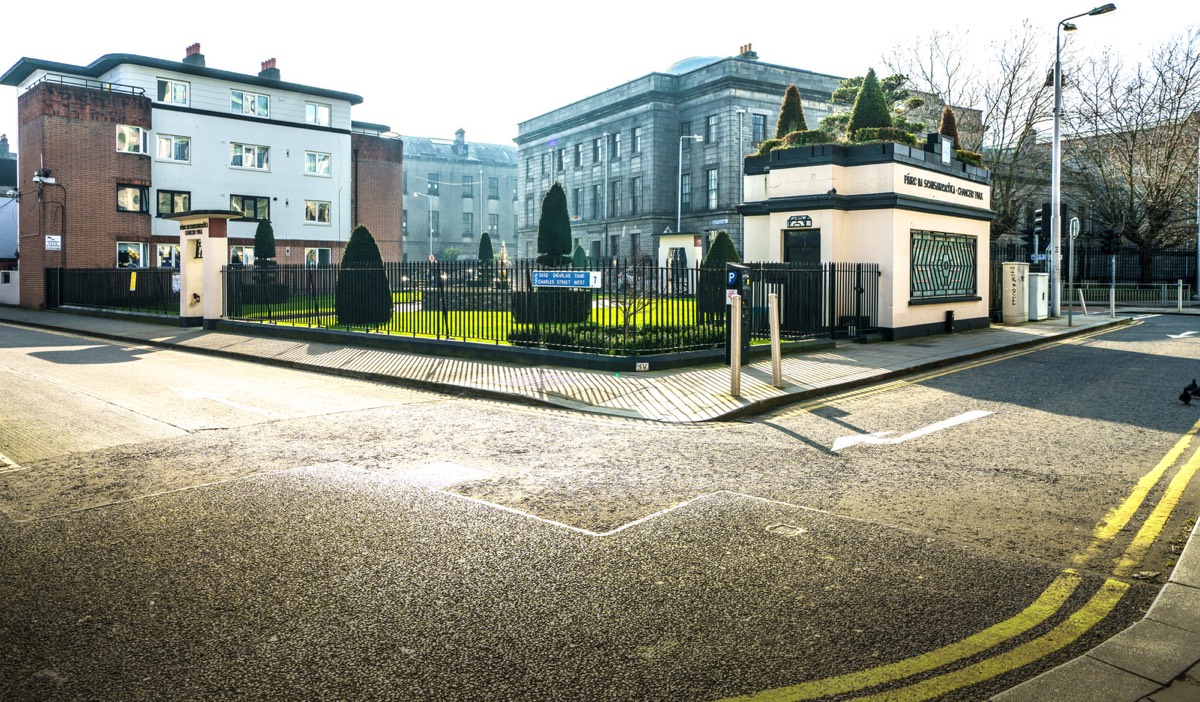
(786,529)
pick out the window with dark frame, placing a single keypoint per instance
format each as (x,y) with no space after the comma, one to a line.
(493,188)
(614,198)
(685,130)
(597,200)
(596,150)
(468,187)
(431,187)
(635,141)
(710,130)
(132,198)
(251,206)
(494,225)
(758,128)
(174,201)
(578,155)
(942,265)
(710,178)
(577,202)
(685,192)
(635,195)
(614,145)
(468,224)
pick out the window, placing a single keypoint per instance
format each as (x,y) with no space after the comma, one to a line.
(577,202)
(528,168)
(635,141)
(132,140)
(404,221)
(758,128)
(578,155)
(435,222)
(317,163)
(318,257)
(468,224)
(316,212)
(493,188)
(248,156)
(316,113)
(685,192)
(614,198)
(174,148)
(614,145)
(685,129)
(242,102)
(710,178)
(635,195)
(597,201)
(943,265)
(174,92)
(251,206)
(468,186)
(545,156)
(529,209)
(431,187)
(130,254)
(132,198)
(710,130)
(494,225)
(596,150)
(168,255)
(241,256)
(560,157)
(172,201)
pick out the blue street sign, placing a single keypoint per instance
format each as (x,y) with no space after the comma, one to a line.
(731,279)
(566,279)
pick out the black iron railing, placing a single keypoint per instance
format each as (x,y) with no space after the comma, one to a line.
(150,290)
(629,308)
(1132,265)
(73,81)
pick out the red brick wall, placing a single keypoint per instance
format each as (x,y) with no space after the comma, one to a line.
(72,132)
(379,191)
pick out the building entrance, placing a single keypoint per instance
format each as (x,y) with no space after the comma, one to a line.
(803,246)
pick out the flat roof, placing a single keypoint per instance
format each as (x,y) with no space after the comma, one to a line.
(26,66)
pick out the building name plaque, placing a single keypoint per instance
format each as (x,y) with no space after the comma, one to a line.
(943,187)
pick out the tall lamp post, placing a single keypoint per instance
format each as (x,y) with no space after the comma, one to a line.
(737,163)
(679,183)
(1056,164)
(428,217)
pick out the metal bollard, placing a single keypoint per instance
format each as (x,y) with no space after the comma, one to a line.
(776,351)
(735,346)
(1179,296)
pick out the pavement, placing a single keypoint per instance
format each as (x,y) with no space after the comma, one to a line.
(1156,659)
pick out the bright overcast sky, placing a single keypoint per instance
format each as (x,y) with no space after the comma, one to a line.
(429,68)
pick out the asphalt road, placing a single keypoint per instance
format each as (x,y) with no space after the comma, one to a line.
(184,527)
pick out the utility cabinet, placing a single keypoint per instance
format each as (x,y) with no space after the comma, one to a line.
(1015,305)
(1039,296)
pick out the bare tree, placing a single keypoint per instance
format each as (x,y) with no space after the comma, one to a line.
(1132,148)
(1016,101)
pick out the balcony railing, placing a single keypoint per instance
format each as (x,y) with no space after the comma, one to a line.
(74,81)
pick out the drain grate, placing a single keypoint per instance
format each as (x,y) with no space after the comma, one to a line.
(788,530)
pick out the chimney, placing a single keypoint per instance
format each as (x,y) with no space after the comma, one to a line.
(747,52)
(460,142)
(268,70)
(194,57)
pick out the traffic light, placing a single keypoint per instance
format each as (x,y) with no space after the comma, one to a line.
(1064,231)
(1041,220)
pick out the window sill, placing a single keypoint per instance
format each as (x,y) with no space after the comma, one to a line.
(246,168)
(171,160)
(318,175)
(317,224)
(944,300)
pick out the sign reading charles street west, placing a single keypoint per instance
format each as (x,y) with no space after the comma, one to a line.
(566,279)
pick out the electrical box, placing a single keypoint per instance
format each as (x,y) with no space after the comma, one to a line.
(1039,296)
(1014,308)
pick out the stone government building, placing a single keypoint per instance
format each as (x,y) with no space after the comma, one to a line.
(617,153)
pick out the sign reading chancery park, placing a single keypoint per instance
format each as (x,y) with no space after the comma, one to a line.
(942,186)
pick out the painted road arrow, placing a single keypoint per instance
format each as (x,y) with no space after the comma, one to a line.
(880,437)
(1183,335)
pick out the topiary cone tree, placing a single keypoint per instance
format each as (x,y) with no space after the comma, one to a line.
(364,297)
(485,248)
(264,243)
(870,107)
(791,113)
(579,258)
(949,126)
(554,228)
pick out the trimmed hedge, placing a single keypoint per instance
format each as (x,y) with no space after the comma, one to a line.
(972,157)
(552,305)
(614,341)
(808,137)
(767,145)
(884,134)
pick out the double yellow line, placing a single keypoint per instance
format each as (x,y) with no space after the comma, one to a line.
(1099,606)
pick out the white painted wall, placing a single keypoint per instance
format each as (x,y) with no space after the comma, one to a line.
(10,291)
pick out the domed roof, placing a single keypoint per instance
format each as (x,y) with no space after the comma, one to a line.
(691,63)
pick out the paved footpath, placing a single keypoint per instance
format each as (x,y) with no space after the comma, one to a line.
(1156,659)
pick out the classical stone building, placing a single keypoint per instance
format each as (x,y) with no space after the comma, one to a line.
(618,153)
(454,191)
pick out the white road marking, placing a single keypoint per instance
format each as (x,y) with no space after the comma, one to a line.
(844,442)
(202,395)
(1183,335)
(1147,316)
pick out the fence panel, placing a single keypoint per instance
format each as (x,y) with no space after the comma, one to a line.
(1132,265)
(150,290)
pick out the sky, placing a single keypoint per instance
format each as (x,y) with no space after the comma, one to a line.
(427,69)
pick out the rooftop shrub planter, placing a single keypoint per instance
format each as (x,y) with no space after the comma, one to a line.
(884,134)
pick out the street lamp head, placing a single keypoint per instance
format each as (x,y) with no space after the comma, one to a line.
(740,110)
(1069,28)
(1102,10)
(697,137)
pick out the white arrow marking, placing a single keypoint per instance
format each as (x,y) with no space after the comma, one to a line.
(201,395)
(878,437)
(1183,335)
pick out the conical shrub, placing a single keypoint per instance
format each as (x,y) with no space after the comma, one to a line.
(870,107)
(949,126)
(554,228)
(791,113)
(364,297)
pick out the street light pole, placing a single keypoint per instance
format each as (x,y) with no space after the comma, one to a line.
(1056,159)
(737,163)
(679,183)
(429,217)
